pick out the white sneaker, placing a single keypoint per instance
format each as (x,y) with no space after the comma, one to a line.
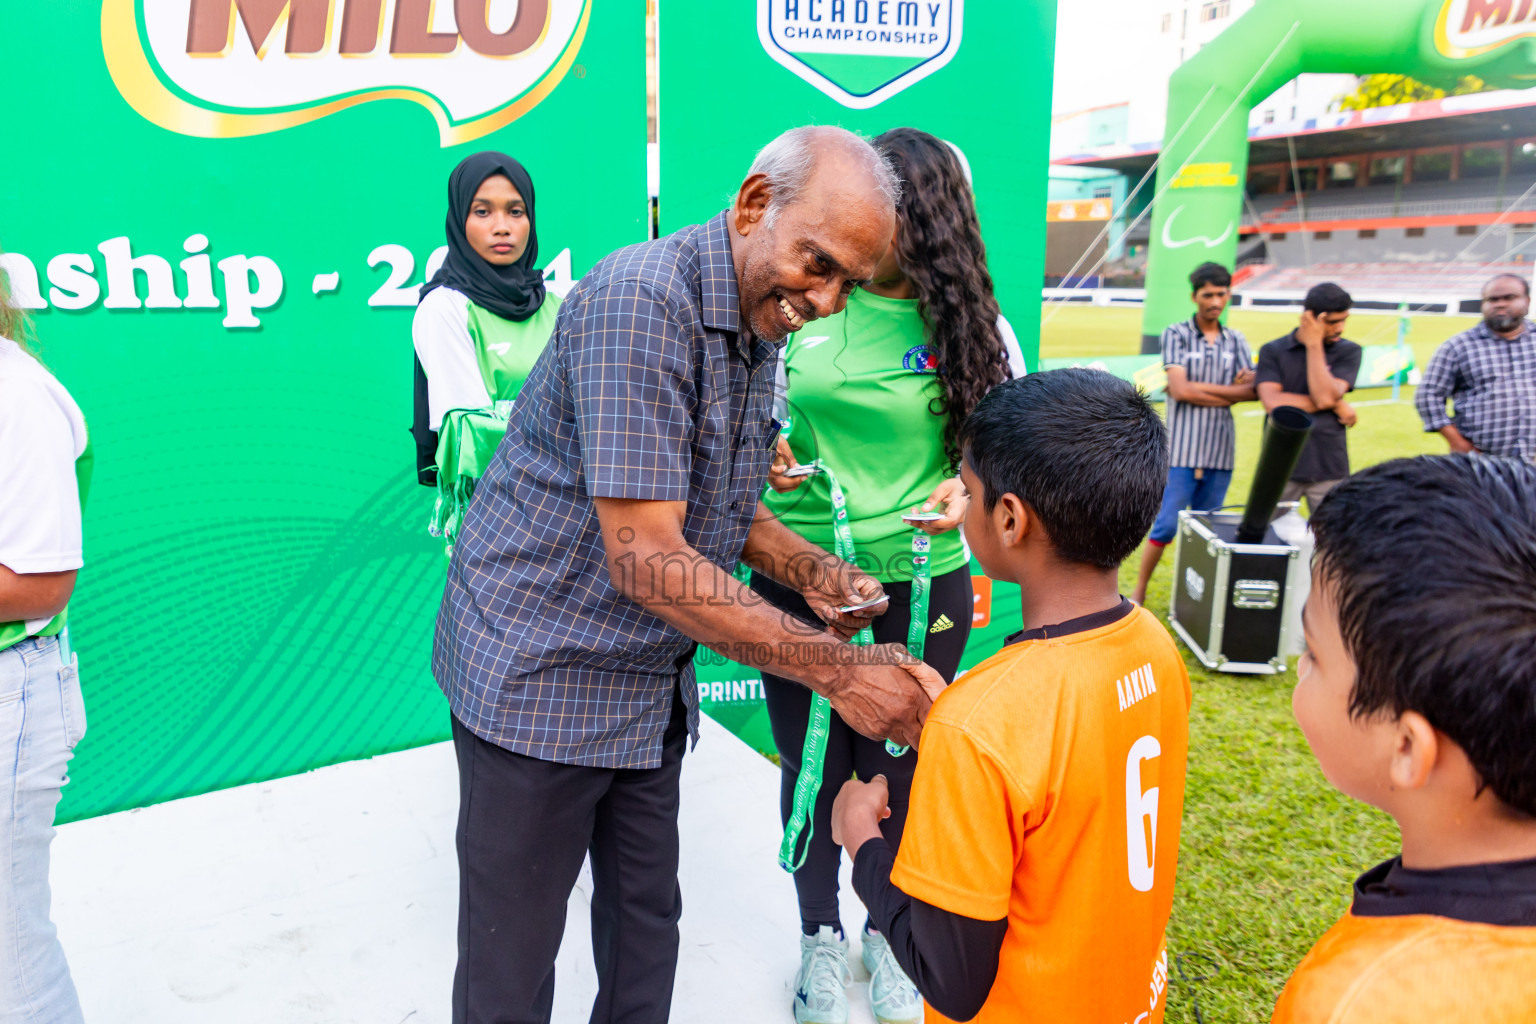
(820,985)
(892,995)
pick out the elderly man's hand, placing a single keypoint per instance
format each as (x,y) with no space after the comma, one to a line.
(888,699)
(840,584)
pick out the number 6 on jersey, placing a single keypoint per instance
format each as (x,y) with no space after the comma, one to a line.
(1140,815)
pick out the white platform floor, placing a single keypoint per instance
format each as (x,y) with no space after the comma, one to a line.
(331,897)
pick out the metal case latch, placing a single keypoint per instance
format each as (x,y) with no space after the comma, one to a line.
(1258,594)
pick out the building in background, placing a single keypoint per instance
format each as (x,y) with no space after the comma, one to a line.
(1419,201)
(1085,224)
(1133,126)
(1179,29)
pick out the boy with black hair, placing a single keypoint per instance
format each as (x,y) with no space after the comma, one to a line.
(1036,874)
(1312,369)
(1417,696)
(1209,370)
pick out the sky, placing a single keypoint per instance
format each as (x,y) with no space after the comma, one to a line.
(1096,49)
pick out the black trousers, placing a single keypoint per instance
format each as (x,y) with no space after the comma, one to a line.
(525,826)
(789,707)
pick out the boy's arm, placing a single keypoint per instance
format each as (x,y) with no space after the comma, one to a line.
(951,958)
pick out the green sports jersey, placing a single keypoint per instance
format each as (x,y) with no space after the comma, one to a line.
(859,394)
(507,349)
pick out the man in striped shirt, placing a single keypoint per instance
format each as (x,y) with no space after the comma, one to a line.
(1209,370)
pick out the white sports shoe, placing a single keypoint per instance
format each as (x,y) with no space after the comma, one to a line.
(820,985)
(892,995)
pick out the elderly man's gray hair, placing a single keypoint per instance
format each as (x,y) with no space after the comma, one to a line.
(789,160)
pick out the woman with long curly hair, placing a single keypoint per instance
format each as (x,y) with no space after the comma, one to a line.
(875,396)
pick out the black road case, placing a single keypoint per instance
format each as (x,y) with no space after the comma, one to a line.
(1230,599)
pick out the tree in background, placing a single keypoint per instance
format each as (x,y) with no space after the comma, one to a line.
(1390,90)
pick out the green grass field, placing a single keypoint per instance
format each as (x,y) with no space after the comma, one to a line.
(1269,849)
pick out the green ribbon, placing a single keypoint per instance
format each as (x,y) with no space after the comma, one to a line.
(813,757)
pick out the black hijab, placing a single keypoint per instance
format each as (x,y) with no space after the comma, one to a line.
(512,292)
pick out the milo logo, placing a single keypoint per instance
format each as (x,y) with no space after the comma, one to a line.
(860,52)
(1470,28)
(229,68)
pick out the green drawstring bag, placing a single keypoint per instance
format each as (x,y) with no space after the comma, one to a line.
(466,442)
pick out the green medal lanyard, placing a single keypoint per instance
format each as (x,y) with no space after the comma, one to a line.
(813,757)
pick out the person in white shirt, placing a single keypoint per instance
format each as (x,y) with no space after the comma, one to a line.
(44,471)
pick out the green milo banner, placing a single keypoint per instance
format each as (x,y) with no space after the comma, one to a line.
(219,212)
(1204,163)
(976,73)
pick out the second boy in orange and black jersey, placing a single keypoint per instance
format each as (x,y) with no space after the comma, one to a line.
(1416,695)
(1451,945)
(1036,877)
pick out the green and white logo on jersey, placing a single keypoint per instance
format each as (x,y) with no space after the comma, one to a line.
(860,52)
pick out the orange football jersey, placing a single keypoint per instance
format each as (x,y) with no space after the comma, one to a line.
(1417,967)
(1049,792)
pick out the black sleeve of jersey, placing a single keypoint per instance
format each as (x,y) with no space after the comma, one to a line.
(952,959)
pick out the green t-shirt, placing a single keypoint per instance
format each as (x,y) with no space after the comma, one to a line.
(506,349)
(859,394)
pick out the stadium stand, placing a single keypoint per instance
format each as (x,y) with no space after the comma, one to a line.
(1381,278)
(1419,203)
(1387,202)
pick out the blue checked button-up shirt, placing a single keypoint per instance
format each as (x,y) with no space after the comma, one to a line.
(1493,382)
(649,389)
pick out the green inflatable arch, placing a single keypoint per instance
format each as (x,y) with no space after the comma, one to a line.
(1204,162)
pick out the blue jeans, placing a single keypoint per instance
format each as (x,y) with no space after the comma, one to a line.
(42,717)
(1184,491)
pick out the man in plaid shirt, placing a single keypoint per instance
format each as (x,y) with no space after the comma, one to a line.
(598,552)
(1489,373)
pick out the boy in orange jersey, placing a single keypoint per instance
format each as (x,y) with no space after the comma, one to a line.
(1418,695)
(1036,873)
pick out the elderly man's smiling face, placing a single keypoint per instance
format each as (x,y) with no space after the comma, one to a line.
(817,250)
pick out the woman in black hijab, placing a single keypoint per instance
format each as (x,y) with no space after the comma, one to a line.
(484,318)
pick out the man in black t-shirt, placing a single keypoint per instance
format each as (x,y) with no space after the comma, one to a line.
(1313,368)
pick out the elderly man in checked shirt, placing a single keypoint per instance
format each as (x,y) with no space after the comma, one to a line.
(1489,373)
(598,552)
